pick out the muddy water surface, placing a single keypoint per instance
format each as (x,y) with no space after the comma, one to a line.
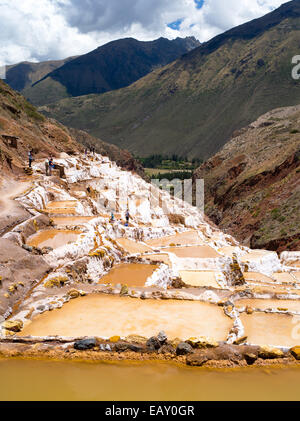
(104,316)
(185,238)
(291,305)
(199,278)
(200,252)
(271,329)
(53,238)
(132,247)
(72,220)
(131,274)
(49,380)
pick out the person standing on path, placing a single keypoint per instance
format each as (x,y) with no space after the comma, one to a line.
(30,158)
(127,216)
(51,166)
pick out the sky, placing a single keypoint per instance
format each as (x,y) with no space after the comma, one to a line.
(39,30)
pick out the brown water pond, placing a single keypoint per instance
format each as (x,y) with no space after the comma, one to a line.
(67,207)
(291,305)
(72,220)
(162,258)
(189,237)
(200,252)
(271,329)
(199,278)
(38,380)
(105,315)
(53,238)
(131,274)
(132,247)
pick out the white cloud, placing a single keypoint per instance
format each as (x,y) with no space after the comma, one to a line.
(53,29)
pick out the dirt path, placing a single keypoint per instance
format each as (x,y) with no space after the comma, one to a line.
(11,212)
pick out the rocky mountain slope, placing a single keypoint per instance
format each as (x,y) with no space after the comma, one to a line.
(252,186)
(109,67)
(23,128)
(20,76)
(193,105)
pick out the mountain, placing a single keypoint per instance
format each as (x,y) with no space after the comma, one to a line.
(193,105)
(23,128)
(252,186)
(20,76)
(109,67)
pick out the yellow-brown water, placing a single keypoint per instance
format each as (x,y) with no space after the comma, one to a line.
(26,380)
(271,329)
(131,274)
(199,278)
(53,238)
(291,305)
(202,252)
(255,276)
(162,258)
(67,207)
(189,237)
(132,247)
(105,316)
(72,220)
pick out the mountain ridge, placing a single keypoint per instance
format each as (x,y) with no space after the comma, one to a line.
(111,66)
(194,104)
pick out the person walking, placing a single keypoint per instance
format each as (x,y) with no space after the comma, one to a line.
(30,158)
(51,166)
(127,216)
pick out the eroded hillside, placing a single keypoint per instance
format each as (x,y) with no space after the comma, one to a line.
(252,185)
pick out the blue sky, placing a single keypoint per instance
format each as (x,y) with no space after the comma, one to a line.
(54,29)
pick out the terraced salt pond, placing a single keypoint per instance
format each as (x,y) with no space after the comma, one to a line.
(53,238)
(264,304)
(131,274)
(161,258)
(185,238)
(72,220)
(132,247)
(30,380)
(67,207)
(200,252)
(105,316)
(199,278)
(272,329)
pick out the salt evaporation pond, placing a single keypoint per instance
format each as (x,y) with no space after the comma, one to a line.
(53,238)
(199,278)
(271,328)
(200,252)
(36,380)
(105,316)
(132,247)
(67,207)
(72,220)
(264,304)
(185,238)
(131,274)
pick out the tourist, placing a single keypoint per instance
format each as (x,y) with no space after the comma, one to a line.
(47,166)
(51,166)
(112,217)
(30,157)
(127,216)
